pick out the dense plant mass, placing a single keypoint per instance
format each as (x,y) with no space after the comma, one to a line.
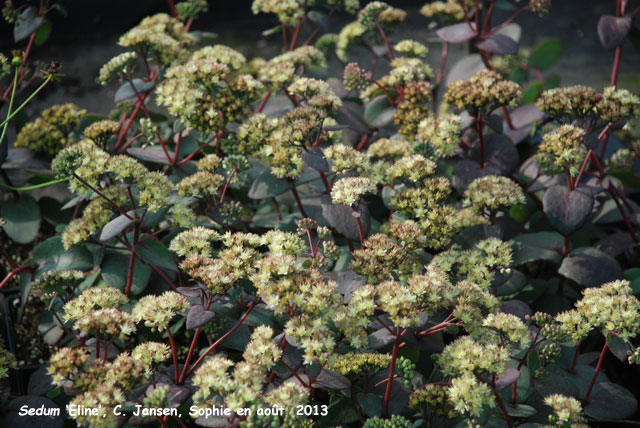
(394,248)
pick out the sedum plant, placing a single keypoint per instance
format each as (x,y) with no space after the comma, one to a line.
(264,242)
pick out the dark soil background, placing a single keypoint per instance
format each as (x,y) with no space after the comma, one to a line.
(87,37)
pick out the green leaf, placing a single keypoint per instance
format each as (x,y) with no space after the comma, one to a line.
(23,218)
(43,33)
(531,247)
(520,410)
(267,185)
(625,175)
(633,276)
(532,92)
(610,401)
(371,404)
(52,212)
(545,54)
(49,329)
(514,283)
(567,210)
(341,412)
(379,112)
(155,252)
(52,255)
(115,269)
(590,267)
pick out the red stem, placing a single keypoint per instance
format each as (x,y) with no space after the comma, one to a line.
(123,132)
(595,374)
(187,361)
(509,21)
(174,353)
(102,195)
(298,201)
(195,152)
(363,142)
(503,409)
(386,41)
(217,342)
(172,7)
(264,102)
(575,356)
(16,271)
(24,61)
(361,232)
(392,368)
(443,62)
(480,138)
(132,259)
(296,33)
(616,66)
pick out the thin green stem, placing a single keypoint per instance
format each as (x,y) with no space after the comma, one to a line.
(24,103)
(13,95)
(35,186)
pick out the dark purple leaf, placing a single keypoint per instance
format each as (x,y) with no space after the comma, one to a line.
(464,68)
(150,154)
(618,346)
(329,380)
(198,316)
(567,210)
(116,226)
(315,159)
(499,44)
(457,33)
(499,153)
(610,401)
(507,378)
(465,171)
(590,267)
(189,291)
(613,30)
(381,338)
(340,218)
(525,115)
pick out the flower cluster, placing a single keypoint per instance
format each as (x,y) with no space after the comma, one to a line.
(493,193)
(160,36)
(158,311)
(562,150)
(350,190)
(50,132)
(484,91)
(567,411)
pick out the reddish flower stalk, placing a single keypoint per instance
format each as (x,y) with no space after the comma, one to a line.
(480,138)
(298,201)
(386,41)
(360,231)
(595,374)
(16,271)
(503,409)
(174,354)
(217,342)
(264,102)
(392,368)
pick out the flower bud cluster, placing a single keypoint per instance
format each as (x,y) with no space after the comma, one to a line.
(484,91)
(162,36)
(158,311)
(562,150)
(50,132)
